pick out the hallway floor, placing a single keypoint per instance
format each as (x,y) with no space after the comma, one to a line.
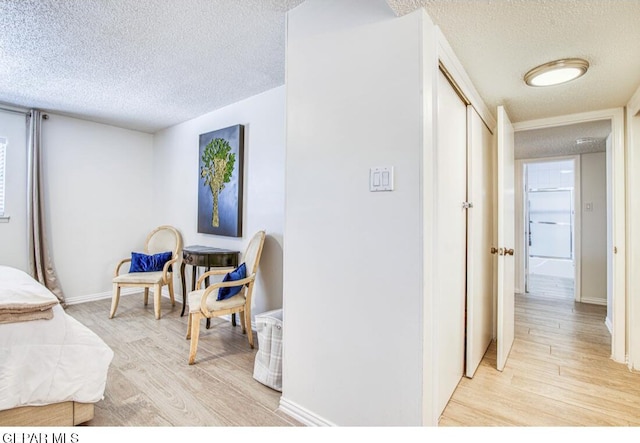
(559,373)
(551,286)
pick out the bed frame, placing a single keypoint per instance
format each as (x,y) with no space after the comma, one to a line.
(68,413)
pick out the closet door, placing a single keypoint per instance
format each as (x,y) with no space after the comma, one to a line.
(450,217)
(480,229)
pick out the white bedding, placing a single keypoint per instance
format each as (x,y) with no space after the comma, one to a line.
(50,361)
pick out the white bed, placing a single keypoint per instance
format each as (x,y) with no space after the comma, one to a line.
(49,368)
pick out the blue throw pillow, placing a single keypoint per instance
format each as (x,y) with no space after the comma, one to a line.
(148,263)
(237,274)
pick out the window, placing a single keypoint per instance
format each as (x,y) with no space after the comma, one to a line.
(3,151)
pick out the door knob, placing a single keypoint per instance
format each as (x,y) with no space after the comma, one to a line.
(494,250)
(508,252)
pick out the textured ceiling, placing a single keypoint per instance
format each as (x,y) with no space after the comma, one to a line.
(141,64)
(498,41)
(578,138)
(149,64)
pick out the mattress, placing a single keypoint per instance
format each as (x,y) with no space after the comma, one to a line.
(50,361)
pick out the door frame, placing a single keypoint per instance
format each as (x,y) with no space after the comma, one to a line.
(617,311)
(633,257)
(521,218)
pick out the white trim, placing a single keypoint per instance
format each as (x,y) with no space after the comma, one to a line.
(303,415)
(447,57)
(608,324)
(562,120)
(595,301)
(633,239)
(100,296)
(108,294)
(520,218)
(634,103)
(132,291)
(5,219)
(618,309)
(520,285)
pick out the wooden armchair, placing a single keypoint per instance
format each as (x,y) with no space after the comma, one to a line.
(203,303)
(162,239)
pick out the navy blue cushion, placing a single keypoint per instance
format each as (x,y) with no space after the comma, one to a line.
(237,274)
(148,263)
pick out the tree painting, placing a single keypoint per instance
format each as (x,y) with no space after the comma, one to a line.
(220,181)
(216,169)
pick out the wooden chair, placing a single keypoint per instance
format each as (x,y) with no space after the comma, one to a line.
(162,239)
(203,303)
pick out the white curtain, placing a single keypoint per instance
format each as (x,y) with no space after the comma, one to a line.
(40,263)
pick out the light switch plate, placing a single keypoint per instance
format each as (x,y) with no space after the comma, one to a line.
(381,178)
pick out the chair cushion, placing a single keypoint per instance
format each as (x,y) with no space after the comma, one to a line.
(150,278)
(237,274)
(195,298)
(149,263)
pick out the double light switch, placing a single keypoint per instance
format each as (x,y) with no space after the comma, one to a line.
(381,179)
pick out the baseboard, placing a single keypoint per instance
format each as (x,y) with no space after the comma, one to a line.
(99,296)
(303,415)
(609,325)
(132,291)
(109,294)
(593,301)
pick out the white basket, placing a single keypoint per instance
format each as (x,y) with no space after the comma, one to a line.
(267,368)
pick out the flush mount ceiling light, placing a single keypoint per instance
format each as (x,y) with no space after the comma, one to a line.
(556,72)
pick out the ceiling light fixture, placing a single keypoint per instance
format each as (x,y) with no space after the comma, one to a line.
(556,72)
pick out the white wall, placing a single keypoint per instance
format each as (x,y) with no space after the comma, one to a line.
(98,193)
(594,228)
(175,184)
(13,235)
(353,259)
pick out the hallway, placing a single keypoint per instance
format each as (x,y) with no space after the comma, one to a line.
(558,373)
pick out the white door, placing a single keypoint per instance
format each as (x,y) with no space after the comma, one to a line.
(480,226)
(506,239)
(450,216)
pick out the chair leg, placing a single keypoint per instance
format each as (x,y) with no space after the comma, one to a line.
(243,323)
(189,320)
(195,332)
(115,299)
(171,295)
(157,290)
(247,313)
(146,296)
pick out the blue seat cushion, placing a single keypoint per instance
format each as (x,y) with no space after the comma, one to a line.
(237,274)
(149,263)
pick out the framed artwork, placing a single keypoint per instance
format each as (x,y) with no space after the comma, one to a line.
(220,183)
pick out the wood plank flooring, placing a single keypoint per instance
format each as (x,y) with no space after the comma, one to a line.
(559,373)
(560,287)
(151,384)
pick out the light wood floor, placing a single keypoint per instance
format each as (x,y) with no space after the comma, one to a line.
(558,373)
(560,287)
(150,383)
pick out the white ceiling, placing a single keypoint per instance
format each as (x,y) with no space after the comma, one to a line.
(498,41)
(577,138)
(149,64)
(140,64)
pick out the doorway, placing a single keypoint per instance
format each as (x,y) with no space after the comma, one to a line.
(550,195)
(610,288)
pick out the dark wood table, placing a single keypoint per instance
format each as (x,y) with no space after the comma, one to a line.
(205,257)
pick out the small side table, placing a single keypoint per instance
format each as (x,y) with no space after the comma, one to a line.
(205,257)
